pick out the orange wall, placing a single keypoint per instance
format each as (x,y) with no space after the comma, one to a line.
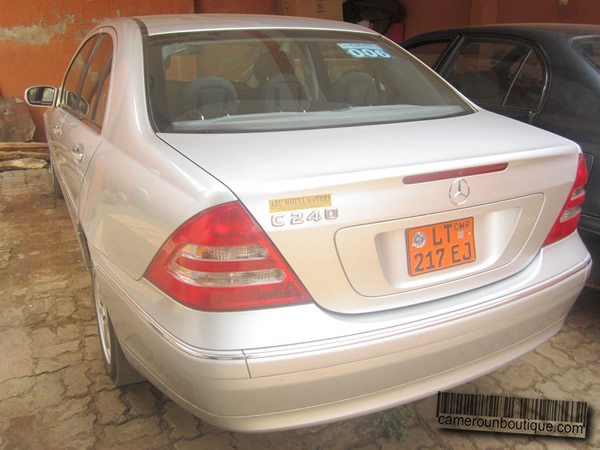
(426,15)
(237,6)
(38,38)
(576,11)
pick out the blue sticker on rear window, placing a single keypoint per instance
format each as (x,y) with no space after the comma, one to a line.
(357,50)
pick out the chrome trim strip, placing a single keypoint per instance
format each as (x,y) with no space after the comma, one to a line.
(362,338)
(189,349)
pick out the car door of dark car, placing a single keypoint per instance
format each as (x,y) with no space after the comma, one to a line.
(78,118)
(572,110)
(500,74)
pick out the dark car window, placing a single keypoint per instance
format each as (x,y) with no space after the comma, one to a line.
(85,90)
(528,84)
(589,48)
(429,52)
(498,73)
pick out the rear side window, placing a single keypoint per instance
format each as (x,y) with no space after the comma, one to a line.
(85,89)
(589,48)
(430,52)
(498,73)
(71,98)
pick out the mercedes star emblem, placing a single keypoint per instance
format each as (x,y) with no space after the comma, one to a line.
(459,191)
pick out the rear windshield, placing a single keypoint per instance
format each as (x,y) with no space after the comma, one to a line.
(589,48)
(267,80)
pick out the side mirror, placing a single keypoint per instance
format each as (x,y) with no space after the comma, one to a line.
(40,95)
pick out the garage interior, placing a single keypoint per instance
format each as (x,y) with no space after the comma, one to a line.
(53,390)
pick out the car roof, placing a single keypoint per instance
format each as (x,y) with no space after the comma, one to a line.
(527,30)
(162,24)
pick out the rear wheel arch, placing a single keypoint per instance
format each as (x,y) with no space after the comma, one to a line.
(115,363)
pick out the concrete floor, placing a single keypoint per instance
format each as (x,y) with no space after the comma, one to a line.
(54,393)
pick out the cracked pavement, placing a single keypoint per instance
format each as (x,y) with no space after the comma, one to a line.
(54,393)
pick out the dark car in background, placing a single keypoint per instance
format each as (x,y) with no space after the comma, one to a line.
(547,75)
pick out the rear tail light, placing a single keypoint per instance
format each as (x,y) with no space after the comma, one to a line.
(568,218)
(221,260)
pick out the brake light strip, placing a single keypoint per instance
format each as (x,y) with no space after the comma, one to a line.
(456,173)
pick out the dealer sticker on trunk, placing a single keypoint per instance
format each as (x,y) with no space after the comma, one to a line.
(302,210)
(297,203)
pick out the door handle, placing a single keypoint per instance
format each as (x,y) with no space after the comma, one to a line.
(56,130)
(77,150)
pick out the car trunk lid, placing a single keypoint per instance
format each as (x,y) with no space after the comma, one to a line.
(350,207)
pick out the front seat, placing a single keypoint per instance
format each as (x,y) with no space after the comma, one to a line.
(210,97)
(285,92)
(279,87)
(355,89)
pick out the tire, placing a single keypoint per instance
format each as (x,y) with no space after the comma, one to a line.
(116,365)
(57,190)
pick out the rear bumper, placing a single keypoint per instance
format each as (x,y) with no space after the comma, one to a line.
(323,381)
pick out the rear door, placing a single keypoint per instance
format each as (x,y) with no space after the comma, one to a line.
(76,124)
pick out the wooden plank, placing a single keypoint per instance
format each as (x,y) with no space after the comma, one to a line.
(26,163)
(23,155)
(5,156)
(40,147)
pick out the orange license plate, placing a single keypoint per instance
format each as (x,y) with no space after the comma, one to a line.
(439,246)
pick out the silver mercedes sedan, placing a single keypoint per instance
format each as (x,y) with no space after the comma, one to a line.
(292,221)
